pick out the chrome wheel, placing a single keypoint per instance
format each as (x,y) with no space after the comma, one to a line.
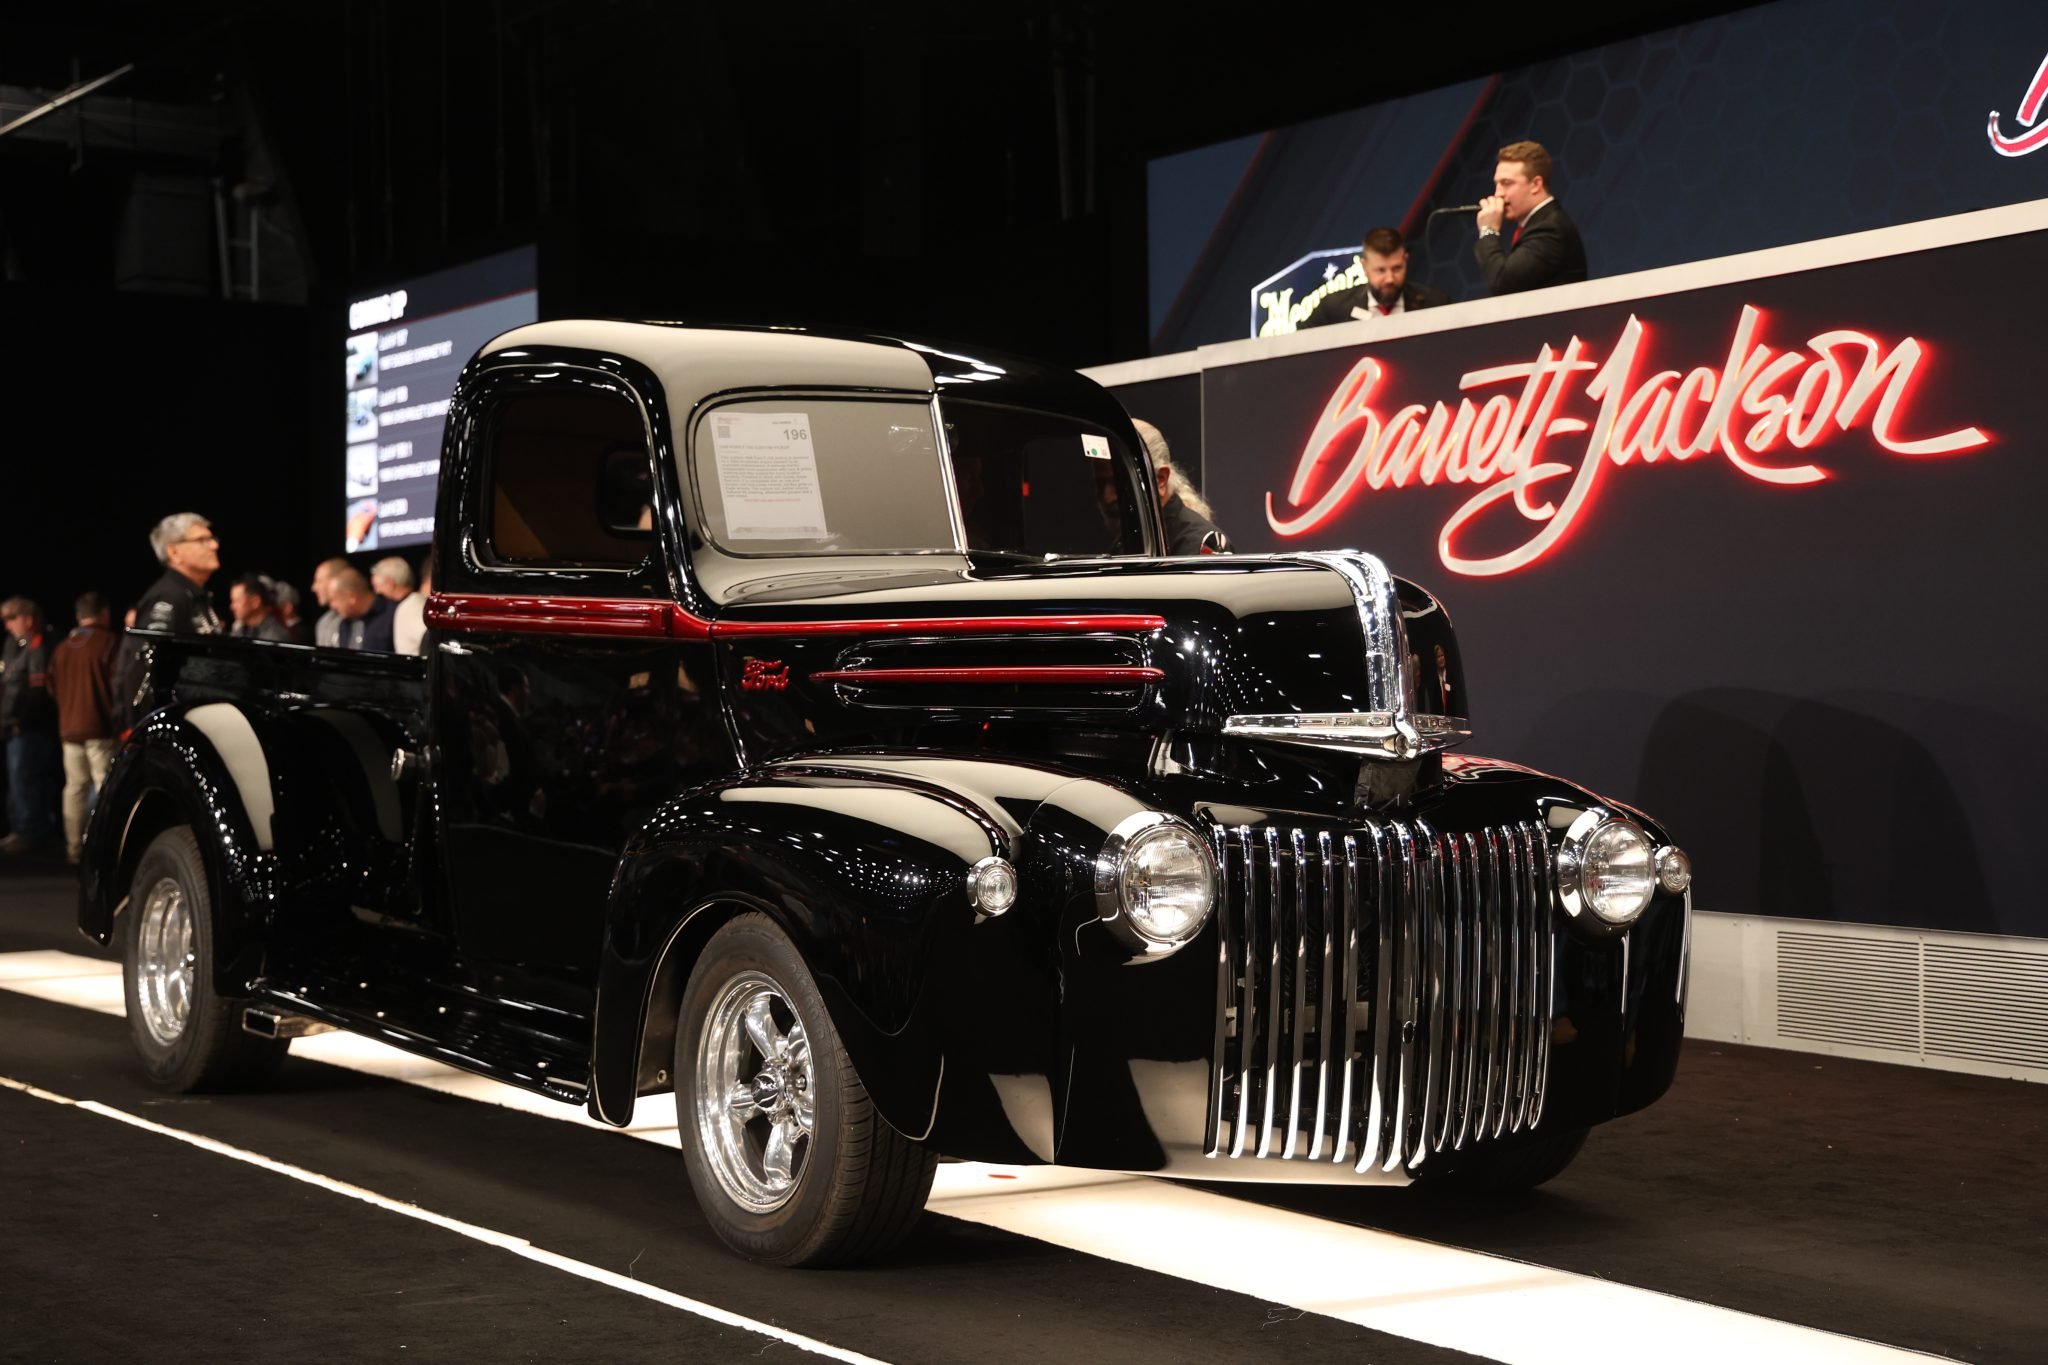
(754,1105)
(164,963)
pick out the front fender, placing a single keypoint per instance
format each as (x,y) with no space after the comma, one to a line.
(201,766)
(864,870)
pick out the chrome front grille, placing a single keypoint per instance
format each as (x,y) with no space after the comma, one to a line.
(1382,994)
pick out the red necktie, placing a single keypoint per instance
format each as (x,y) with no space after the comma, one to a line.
(1518,235)
(1382,307)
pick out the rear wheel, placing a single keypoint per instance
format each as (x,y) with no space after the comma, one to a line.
(789,1158)
(189,1036)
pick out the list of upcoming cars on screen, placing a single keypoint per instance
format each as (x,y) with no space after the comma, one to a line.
(405,348)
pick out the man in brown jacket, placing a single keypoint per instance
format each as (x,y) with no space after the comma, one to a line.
(83,668)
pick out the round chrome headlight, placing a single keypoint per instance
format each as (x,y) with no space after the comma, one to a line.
(1157,877)
(1609,867)
(1619,874)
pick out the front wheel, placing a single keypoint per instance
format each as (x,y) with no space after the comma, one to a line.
(190,1037)
(789,1158)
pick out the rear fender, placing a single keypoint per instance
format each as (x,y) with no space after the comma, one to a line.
(201,766)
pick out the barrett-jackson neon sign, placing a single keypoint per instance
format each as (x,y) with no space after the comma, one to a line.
(2029,110)
(1757,411)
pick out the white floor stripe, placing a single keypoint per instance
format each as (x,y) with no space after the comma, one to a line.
(73,979)
(1463,1300)
(518,1246)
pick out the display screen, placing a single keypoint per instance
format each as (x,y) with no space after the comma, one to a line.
(405,347)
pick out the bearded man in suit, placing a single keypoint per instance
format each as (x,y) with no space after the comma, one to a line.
(1387,291)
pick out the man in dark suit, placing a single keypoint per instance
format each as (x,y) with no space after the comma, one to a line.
(1387,290)
(1545,248)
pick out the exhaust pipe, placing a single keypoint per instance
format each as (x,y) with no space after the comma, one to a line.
(271,1024)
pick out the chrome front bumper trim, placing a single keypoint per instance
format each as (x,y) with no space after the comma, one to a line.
(1377,734)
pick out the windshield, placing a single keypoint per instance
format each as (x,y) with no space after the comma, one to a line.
(789,475)
(804,475)
(1037,483)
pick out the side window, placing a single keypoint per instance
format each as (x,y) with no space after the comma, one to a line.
(560,466)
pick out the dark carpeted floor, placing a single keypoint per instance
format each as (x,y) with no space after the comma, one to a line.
(1898,1204)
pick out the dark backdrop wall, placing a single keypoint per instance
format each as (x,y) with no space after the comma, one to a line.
(193,231)
(122,409)
(1832,691)
(1776,124)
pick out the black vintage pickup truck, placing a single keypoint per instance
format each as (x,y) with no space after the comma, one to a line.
(813,727)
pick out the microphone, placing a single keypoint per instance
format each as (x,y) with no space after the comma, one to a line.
(1455,208)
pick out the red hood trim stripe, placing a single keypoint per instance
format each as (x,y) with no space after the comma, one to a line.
(611,617)
(636,618)
(1073,675)
(947,625)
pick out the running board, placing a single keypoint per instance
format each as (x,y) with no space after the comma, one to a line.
(428,1018)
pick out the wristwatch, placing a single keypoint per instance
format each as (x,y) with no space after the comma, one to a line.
(1489,232)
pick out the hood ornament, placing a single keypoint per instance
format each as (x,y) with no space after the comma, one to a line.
(1386,729)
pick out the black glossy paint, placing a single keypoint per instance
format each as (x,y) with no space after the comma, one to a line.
(583,812)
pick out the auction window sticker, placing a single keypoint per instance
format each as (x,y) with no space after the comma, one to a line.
(768,476)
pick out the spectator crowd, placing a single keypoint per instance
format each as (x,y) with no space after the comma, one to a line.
(66,694)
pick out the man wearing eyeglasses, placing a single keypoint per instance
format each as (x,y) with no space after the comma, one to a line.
(190,553)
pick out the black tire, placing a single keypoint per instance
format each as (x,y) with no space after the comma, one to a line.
(1519,1164)
(202,1047)
(859,1186)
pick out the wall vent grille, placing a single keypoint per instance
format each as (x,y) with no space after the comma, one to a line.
(1864,992)
(1987,1005)
(1935,998)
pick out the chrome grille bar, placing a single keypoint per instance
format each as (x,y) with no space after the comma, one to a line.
(1247,1007)
(1494,1105)
(1401,976)
(1511,912)
(1333,1014)
(1226,982)
(1408,1098)
(1276,1016)
(1541,947)
(1471,927)
(1298,1005)
(1434,965)
(1449,943)
(1377,1140)
(1347,998)
(1538,1014)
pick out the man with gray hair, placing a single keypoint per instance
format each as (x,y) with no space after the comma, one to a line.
(190,553)
(1186,518)
(391,578)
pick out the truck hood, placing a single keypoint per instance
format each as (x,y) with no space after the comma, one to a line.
(1324,649)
